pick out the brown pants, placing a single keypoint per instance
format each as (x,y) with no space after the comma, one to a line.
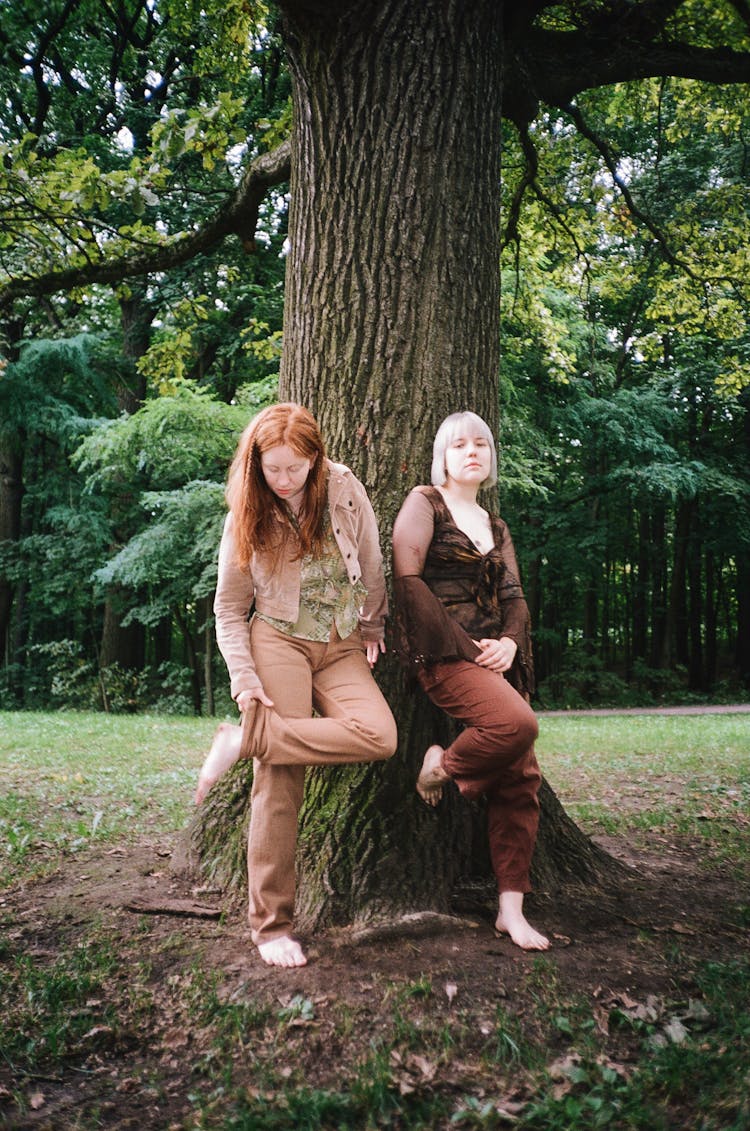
(356,725)
(494,756)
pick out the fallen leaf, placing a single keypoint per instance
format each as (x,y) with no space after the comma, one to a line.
(129,1084)
(696,1011)
(451,989)
(97,1031)
(601,1017)
(36,1101)
(175,1038)
(564,1067)
(676,1032)
(427,1068)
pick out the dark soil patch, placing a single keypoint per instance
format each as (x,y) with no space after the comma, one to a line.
(637,945)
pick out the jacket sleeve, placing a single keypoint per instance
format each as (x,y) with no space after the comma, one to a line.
(375,609)
(234,598)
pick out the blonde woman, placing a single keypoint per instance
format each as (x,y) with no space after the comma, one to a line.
(464,630)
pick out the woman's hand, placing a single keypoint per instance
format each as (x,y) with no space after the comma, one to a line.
(247,697)
(497,655)
(373,648)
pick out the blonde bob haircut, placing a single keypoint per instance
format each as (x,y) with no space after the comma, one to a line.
(457,424)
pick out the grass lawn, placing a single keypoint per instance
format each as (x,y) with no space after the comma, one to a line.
(75,779)
(684,774)
(635,1020)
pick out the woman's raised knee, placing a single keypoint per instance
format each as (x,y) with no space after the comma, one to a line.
(529,729)
(386,740)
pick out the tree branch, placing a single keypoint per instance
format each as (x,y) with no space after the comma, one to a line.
(611,162)
(529,180)
(742,8)
(554,67)
(238,216)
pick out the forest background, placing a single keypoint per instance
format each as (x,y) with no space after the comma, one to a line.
(624,384)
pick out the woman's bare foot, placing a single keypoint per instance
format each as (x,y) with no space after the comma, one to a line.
(432,776)
(224,752)
(284,951)
(511,921)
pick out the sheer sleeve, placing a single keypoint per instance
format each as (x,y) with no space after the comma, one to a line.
(412,534)
(515,612)
(425,632)
(516,622)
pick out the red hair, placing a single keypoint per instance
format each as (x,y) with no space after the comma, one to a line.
(261,522)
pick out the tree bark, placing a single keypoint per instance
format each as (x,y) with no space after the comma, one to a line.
(392,283)
(123,646)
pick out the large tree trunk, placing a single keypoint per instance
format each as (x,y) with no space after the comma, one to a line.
(392,322)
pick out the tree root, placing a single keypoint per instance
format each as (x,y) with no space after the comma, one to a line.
(415,924)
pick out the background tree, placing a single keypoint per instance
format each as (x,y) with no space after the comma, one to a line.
(118,116)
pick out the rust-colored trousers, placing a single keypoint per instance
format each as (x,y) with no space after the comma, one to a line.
(493,756)
(355,725)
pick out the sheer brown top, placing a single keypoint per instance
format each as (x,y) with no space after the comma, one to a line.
(448,593)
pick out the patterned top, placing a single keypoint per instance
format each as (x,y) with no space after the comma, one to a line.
(448,593)
(327,596)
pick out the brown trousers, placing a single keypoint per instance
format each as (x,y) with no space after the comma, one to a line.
(356,725)
(494,757)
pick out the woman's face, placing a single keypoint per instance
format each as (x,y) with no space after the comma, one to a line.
(285,471)
(468,458)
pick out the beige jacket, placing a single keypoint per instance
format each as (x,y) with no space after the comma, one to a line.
(277,593)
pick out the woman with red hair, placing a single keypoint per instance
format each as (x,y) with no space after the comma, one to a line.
(300,616)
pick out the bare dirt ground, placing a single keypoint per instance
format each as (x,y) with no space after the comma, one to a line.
(636,947)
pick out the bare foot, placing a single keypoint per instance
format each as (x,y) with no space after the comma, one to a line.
(224,752)
(432,776)
(283,951)
(511,921)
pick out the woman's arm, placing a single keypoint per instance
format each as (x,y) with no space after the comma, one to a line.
(413,531)
(512,600)
(512,651)
(234,597)
(425,632)
(375,609)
